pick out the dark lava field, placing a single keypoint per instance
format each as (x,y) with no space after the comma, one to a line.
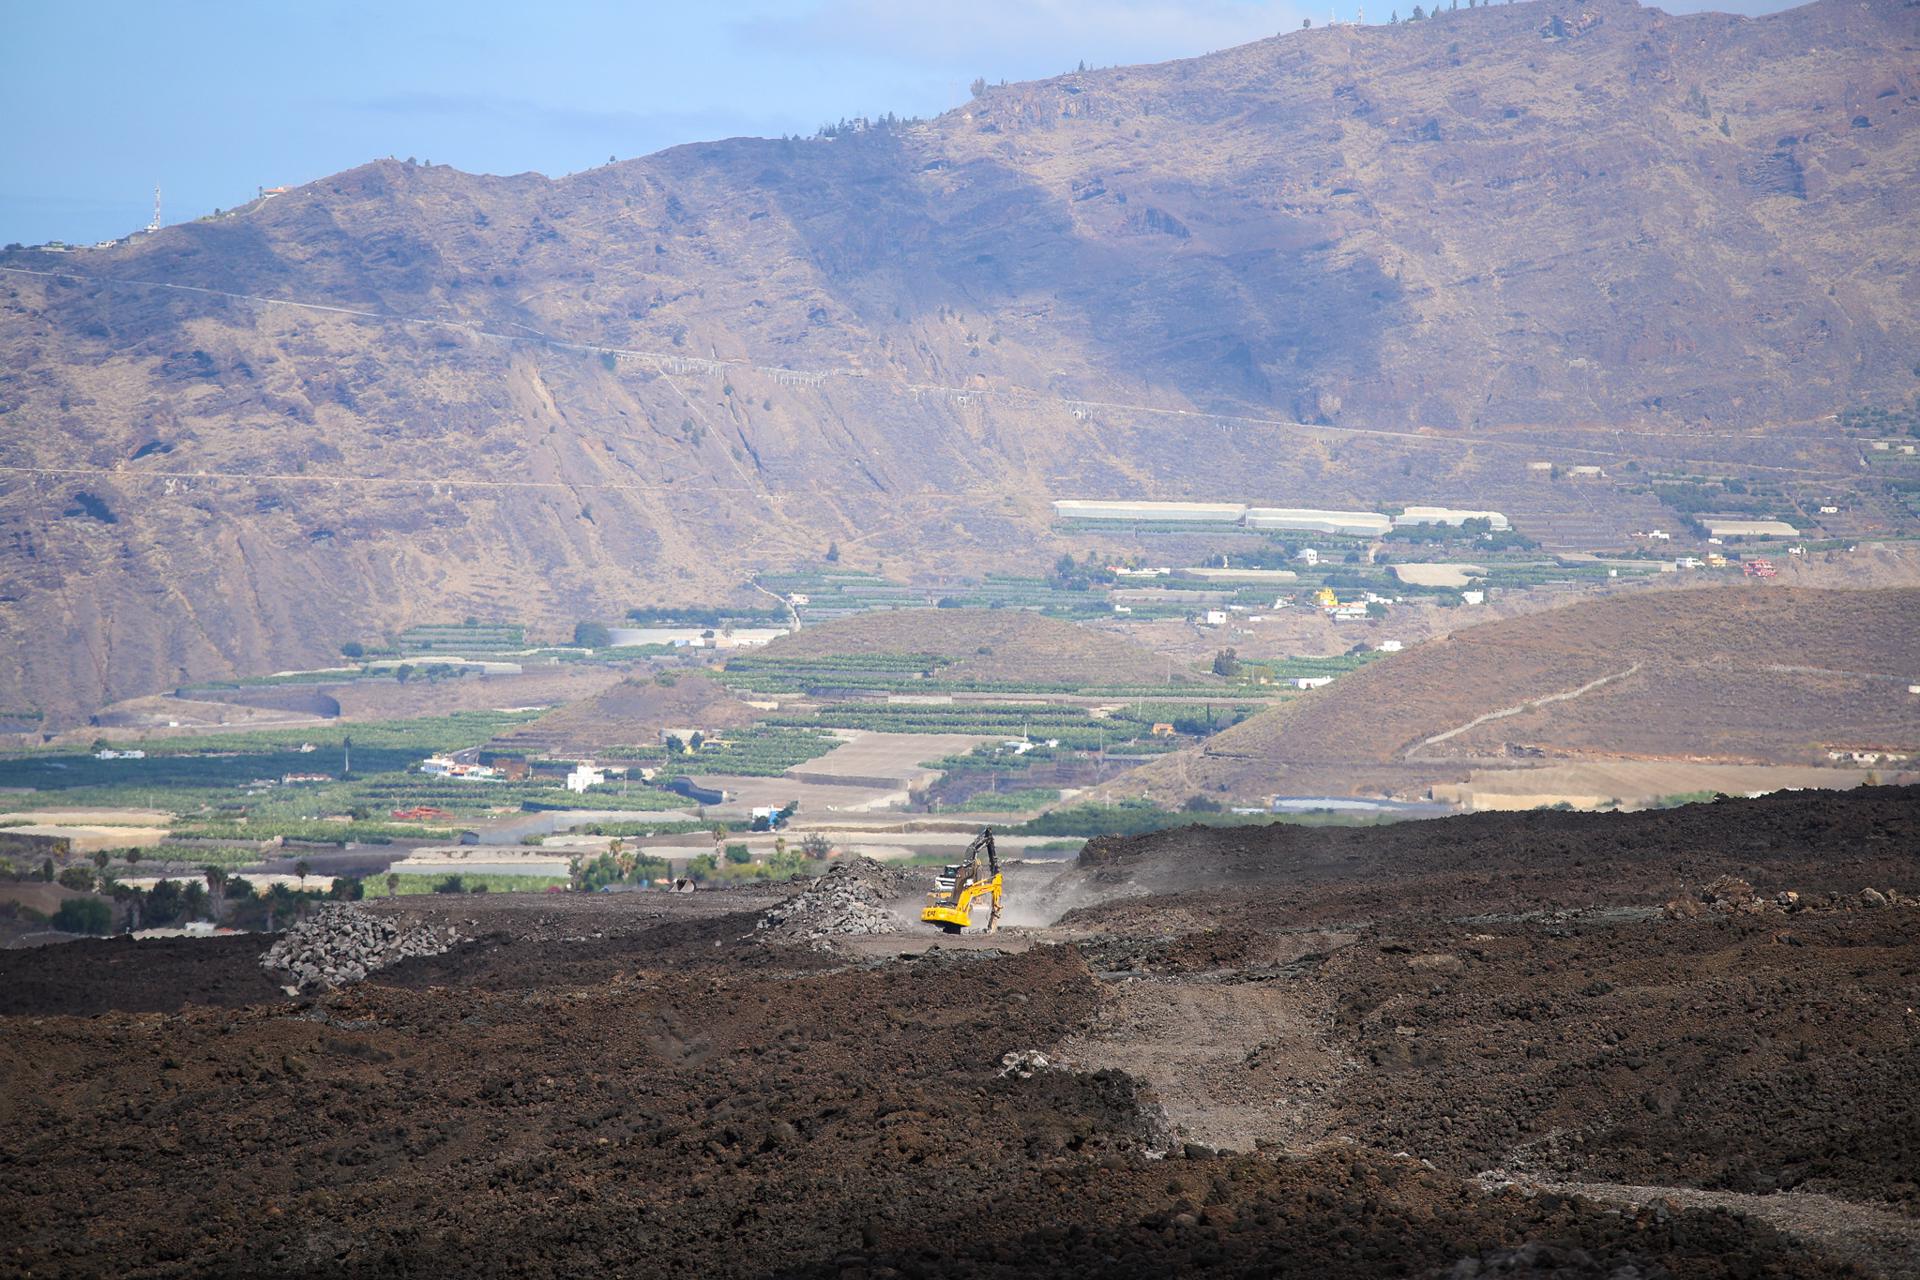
(1613,1045)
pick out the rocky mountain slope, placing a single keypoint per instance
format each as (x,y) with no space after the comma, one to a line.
(1338,266)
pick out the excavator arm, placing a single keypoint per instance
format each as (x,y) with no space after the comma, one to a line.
(979,876)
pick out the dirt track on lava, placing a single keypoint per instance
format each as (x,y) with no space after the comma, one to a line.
(1367,1019)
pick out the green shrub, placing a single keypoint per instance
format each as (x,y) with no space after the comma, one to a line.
(83,915)
(80,878)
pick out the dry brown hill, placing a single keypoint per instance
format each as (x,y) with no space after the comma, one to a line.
(992,644)
(631,713)
(405,393)
(1737,674)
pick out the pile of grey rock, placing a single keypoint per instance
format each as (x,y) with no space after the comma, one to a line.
(1024,1064)
(339,944)
(849,900)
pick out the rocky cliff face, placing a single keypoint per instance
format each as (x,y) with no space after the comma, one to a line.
(1342,265)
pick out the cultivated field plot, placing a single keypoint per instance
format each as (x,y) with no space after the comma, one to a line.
(746,793)
(884,759)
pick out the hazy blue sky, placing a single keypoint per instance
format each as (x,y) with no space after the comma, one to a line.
(214,98)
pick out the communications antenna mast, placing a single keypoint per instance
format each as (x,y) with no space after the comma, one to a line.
(155,224)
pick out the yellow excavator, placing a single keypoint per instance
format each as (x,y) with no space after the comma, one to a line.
(959,886)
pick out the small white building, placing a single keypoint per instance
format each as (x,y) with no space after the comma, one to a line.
(584,775)
(1473,597)
(1308,556)
(1391,646)
(1312,682)
(1215,617)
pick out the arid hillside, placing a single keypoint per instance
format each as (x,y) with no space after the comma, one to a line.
(631,713)
(991,645)
(1345,265)
(1737,674)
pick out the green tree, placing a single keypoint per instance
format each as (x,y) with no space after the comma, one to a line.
(452,884)
(816,846)
(165,903)
(194,898)
(592,635)
(353,649)
(1226,663)
(303,868)
(393,883)
(80,878)
(83,915)
(979,86)
(833,553)
(739,855)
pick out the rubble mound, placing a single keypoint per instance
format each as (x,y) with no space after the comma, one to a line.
(339,944)
(850,899)
(1730,895)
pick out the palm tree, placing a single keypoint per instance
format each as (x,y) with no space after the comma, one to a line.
(279,898)
(393,883)
(128,896)
(301,868)
(216,890)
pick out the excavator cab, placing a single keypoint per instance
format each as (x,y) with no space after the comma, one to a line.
(958,887)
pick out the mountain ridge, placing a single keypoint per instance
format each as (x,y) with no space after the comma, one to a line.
(1436,231)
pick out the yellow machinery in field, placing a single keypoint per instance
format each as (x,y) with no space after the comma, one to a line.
(950,905)
(1326,599)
